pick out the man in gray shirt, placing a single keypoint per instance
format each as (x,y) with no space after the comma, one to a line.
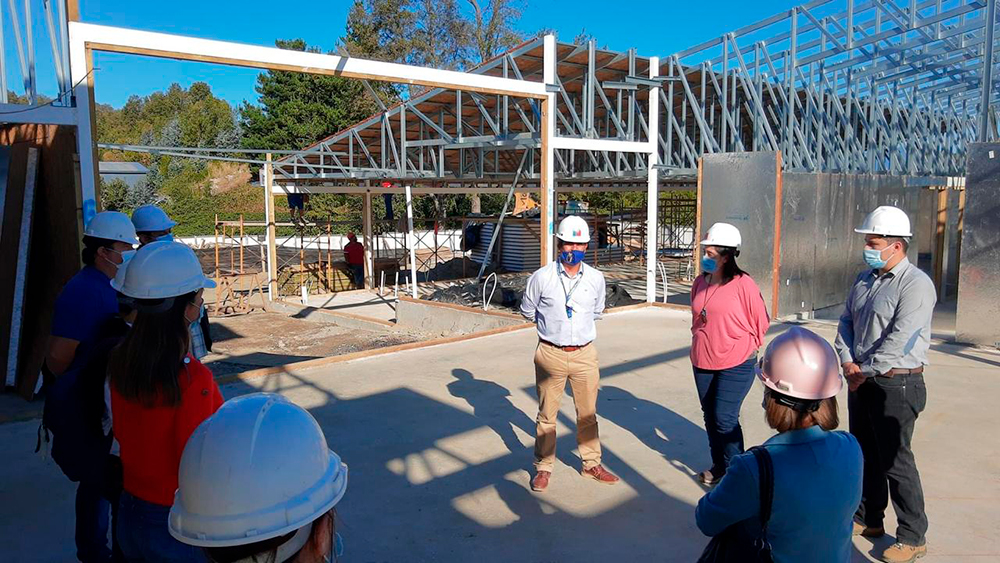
(882,341)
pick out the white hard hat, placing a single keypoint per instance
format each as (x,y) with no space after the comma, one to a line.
(259,468)
(573,229)
(887,221)
(162,269)
(723,234)
(150,218)
(111,225)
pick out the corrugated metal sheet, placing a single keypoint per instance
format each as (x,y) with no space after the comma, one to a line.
(520,249)
(739,188)
(979,272)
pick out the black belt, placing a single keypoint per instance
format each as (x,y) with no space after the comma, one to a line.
(564,348)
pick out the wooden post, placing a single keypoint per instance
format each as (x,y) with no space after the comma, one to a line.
(776,258)
(961,226)
(939,266)
(366,213)
(241,252)
(218,288)
(696,255)
(272,264)
(328,272)
(546,183)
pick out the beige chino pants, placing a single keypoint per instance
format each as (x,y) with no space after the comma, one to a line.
(553,367)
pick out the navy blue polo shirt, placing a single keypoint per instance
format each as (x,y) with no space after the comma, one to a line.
(86,302)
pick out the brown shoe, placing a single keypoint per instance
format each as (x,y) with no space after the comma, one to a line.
(541,481)
(866,531)
(902,553)
(601,475)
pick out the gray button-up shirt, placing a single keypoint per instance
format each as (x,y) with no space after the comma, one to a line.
(887,320)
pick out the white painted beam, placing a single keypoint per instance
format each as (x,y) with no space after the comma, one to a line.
(123,40)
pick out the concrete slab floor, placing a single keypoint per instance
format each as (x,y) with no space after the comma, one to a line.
(439,446)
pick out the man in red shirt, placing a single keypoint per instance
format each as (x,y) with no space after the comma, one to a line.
(354,252)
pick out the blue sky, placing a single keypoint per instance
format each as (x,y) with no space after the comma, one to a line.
(653,27)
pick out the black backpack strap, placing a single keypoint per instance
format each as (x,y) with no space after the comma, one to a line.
(766,482)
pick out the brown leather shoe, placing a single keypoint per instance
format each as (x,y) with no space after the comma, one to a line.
(601,475)
(541,481)
(866,531)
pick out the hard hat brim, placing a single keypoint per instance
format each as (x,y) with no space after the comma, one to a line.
(338,473)
(881,234)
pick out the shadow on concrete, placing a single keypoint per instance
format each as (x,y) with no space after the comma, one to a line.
(423,488)
(954,349)
(490,404)
(656,426)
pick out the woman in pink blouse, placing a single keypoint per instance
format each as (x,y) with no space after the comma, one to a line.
(729,321)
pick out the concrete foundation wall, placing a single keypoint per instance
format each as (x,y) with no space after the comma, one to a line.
(448,319)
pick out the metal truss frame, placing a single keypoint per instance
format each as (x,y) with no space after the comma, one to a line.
(877,86)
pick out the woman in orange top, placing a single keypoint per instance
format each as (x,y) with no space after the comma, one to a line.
(159,394)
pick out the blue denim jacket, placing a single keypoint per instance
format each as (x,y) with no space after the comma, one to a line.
(817,488)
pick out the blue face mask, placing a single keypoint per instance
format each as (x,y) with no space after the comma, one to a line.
(709,265)
(572,258)
(874,258)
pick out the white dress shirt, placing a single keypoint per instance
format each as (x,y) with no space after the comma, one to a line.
(550,291)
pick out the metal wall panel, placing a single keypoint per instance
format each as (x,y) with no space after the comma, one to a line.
(739,188)
(979,272)
(800,219)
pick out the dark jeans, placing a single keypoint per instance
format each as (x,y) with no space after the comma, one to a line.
(358,271)
(883,412)
(721,393)
(143,534)
(96,500)
(93,513)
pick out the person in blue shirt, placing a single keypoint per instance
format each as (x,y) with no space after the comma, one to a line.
(153,224)
(87,301)
(817,471)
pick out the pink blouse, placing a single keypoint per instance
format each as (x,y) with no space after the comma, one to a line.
(734,324)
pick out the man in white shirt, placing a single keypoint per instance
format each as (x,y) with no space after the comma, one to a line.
(564,299)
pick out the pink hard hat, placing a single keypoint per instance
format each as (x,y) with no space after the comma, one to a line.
(801,364)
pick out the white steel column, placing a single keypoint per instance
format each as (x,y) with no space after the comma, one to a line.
(81,67)
(411,241)
(272,231)
(652,192)
(547,183)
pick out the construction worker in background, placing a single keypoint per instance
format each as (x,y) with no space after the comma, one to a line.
(882,341)
(354,253)
(159,394)
(152,224)
(297,205)
(564,299)
(87,301)
(728,323)
(76,423)
(816,471)
(258,482)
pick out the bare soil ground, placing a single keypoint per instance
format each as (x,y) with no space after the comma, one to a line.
(259,339)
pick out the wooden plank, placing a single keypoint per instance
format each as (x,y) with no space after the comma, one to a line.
(776,260)
(940,229)
(697,220)
(23,244)
(272,252)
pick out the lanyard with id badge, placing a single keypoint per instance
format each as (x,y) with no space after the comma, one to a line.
(569,293)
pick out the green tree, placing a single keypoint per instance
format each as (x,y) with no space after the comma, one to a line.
(296,109)
(114,195)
